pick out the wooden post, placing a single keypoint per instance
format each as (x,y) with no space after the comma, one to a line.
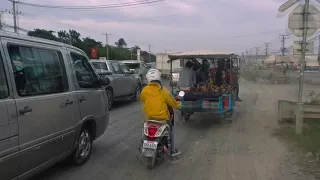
(299,118)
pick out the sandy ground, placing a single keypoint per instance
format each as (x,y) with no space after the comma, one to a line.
(244,150)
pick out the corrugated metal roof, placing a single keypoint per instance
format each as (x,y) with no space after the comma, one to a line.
(207,54)
(202,52)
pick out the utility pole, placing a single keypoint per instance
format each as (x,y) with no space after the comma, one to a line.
(304,46)
(283,38)
(299,115)
(319,53)
(14,13)
(107,45)
(149,53)
(1,16)
(267,46)
(257,49)
(246,58)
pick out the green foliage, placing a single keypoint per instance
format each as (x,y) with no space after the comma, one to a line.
(42,33)
(314,98)
(308,141)
(118,52)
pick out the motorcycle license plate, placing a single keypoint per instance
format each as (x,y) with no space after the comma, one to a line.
(148,152)
(150,144)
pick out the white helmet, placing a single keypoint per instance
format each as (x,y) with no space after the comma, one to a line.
(153,75)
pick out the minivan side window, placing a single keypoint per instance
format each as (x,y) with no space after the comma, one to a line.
(85,74)
(124,68)
(144,65)
(116,68)
(38,71)
(4,91)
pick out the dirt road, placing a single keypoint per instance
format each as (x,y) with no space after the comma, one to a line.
(244,150)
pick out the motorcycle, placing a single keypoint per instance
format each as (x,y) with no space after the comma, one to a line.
(156,141)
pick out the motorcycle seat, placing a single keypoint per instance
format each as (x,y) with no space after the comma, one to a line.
(157,121)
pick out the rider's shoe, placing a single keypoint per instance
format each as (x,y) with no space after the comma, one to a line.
(238,99)
(176,152)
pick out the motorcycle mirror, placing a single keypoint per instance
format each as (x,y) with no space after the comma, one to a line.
(181,93)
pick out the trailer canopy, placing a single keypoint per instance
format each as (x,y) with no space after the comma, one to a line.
(203,55)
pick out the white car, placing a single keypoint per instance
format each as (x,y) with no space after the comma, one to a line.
(140,68)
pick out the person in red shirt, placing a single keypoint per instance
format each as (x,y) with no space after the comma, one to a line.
(232,78)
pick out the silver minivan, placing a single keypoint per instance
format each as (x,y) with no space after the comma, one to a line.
(52,105)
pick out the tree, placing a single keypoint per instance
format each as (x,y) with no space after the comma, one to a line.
(118,52)
(42,33)
(75,37)
(121,43)
(135,48)
(64,36)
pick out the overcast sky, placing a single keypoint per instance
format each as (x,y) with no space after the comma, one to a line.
(173,25)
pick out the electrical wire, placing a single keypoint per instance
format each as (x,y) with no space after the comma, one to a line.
(107,6)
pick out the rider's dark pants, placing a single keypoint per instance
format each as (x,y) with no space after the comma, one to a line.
(237,91)
(171,124)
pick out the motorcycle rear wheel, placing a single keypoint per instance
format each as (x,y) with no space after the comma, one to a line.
(150,162)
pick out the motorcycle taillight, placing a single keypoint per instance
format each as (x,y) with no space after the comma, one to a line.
(152,130)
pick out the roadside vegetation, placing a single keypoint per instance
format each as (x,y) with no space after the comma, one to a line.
(118,51)
(307,145)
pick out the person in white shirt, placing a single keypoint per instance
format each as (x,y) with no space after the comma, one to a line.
(187,77)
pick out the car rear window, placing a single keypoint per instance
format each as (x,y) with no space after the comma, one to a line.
(100,66)
(133,65)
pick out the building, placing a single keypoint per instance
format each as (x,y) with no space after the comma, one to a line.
(162,62)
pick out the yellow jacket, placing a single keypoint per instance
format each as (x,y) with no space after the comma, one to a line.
(156,101)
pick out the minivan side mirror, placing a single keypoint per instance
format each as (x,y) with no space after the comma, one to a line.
(104,80)
(132,71)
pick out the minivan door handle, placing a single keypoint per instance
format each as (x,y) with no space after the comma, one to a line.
(25,110)
(82,99)
(68,102)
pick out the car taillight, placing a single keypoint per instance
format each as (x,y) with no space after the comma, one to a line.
(225,102)
(152,130)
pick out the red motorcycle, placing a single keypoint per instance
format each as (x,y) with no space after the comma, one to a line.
(156,141)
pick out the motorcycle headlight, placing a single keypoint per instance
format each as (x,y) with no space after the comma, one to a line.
(181,93)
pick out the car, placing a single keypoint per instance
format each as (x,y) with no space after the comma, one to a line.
(124,83)
(140,67)
(52,105)
(175,75)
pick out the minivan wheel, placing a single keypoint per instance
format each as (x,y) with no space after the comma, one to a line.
(110,99)
(137,93)
(83,147)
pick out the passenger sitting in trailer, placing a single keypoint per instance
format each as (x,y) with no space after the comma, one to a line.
(187,77)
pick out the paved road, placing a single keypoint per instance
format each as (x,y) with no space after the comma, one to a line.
(244,150)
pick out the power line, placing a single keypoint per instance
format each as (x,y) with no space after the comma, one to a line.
(107,6)
(179,14)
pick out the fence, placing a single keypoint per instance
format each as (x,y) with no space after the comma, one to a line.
(289,111)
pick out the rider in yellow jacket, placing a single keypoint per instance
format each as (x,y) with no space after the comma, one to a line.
(156,100)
